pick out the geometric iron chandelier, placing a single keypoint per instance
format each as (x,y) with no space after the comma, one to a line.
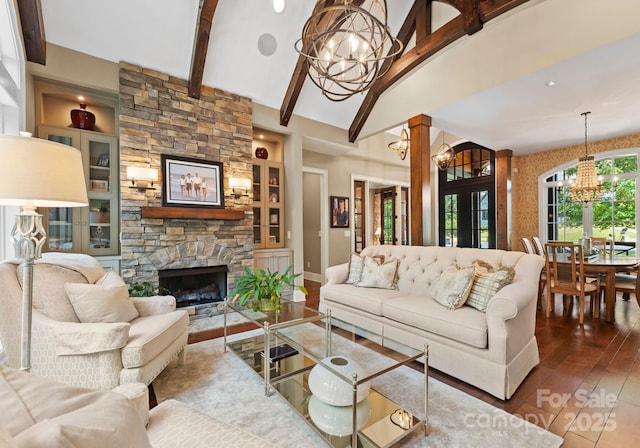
(444,156)
(402,145)
(586,187)
(345,43)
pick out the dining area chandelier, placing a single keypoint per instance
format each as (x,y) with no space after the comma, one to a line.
(586,187)
(345,44)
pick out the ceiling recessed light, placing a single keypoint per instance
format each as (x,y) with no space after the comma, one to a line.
(80,98)
(279,5)
(261,136)
(550,83)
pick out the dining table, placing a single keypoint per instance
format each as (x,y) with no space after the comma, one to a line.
(608,265)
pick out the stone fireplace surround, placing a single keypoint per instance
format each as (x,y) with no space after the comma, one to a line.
(158,117)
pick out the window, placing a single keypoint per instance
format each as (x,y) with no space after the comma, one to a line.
(467,199)
(612,217)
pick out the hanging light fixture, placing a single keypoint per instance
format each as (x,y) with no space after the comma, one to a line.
(402,145)
(586,187)
(345,43)
(444,156)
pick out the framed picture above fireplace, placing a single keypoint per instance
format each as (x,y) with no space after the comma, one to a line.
(192,182)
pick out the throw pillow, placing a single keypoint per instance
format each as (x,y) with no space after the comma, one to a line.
(486,285)
(376,275)
(356,264)
(110,278)
(97,303)
(49,295)
(452,288)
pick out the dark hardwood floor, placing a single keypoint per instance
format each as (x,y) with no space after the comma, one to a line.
(587,386)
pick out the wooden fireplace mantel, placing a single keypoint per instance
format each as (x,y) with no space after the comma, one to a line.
(192,213)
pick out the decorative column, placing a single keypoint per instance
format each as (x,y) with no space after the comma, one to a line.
(420,167)
(503,198)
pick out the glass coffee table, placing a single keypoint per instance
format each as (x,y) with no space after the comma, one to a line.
(297,345)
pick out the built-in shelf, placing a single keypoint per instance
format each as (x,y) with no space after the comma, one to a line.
(192,213)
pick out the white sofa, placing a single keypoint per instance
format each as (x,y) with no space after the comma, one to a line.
(493,350)
(101,353)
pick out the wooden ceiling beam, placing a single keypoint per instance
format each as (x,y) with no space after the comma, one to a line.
(415,22)
(35,43)
(436,41)
(302,69)
(200,45)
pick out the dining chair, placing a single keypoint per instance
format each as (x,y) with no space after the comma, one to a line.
(604,245)
(563,262)
(528,247)
(627,284)
(537,244)
(539,249)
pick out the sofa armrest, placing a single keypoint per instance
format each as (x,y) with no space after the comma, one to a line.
(80,339)
(337,274)
(150,306)
(138,396)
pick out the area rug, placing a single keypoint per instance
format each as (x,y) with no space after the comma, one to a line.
(223,386)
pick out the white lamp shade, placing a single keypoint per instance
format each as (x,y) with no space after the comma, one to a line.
(332,389)
(240,182)
(40,173)
(142,173)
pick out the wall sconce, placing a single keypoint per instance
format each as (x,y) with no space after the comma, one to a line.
(142,178)
(240,186)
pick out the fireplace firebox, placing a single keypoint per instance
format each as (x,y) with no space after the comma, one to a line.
(195,286)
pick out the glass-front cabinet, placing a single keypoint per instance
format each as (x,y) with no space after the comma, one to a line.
(268,206)
(93,229)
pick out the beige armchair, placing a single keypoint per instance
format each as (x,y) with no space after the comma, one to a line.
(38,413)
(78,339)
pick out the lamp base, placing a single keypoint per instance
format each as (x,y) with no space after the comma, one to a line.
(28,236)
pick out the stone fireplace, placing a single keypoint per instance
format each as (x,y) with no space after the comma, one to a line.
(157,117)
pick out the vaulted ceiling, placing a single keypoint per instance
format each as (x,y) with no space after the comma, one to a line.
(488,85)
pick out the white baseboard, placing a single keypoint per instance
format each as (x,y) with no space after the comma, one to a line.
(313,276)
(298,296)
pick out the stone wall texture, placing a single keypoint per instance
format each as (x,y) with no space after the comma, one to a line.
(157,117)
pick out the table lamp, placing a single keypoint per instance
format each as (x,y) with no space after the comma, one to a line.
(36,173)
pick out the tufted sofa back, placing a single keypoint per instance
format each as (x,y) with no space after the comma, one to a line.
(420,266)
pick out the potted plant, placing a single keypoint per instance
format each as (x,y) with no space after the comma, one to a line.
(263,289)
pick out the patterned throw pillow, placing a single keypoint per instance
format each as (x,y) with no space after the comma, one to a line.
(376,275)
(356,264)
(487,284)
(453,286)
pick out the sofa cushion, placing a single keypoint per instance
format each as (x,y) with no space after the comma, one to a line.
(364,299)
(150,335)
(356,265)
(465,324)
(452,288)
(376,275)
(487,284)
(97,303)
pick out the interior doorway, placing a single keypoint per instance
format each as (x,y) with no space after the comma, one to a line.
(315,218)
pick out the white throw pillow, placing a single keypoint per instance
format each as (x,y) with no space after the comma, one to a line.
(110,278)
(97,303)
(356,265)
(452,288)
(376,275)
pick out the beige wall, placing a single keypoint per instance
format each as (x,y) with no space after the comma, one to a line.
(530,167)
(340,170)
(311,217)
